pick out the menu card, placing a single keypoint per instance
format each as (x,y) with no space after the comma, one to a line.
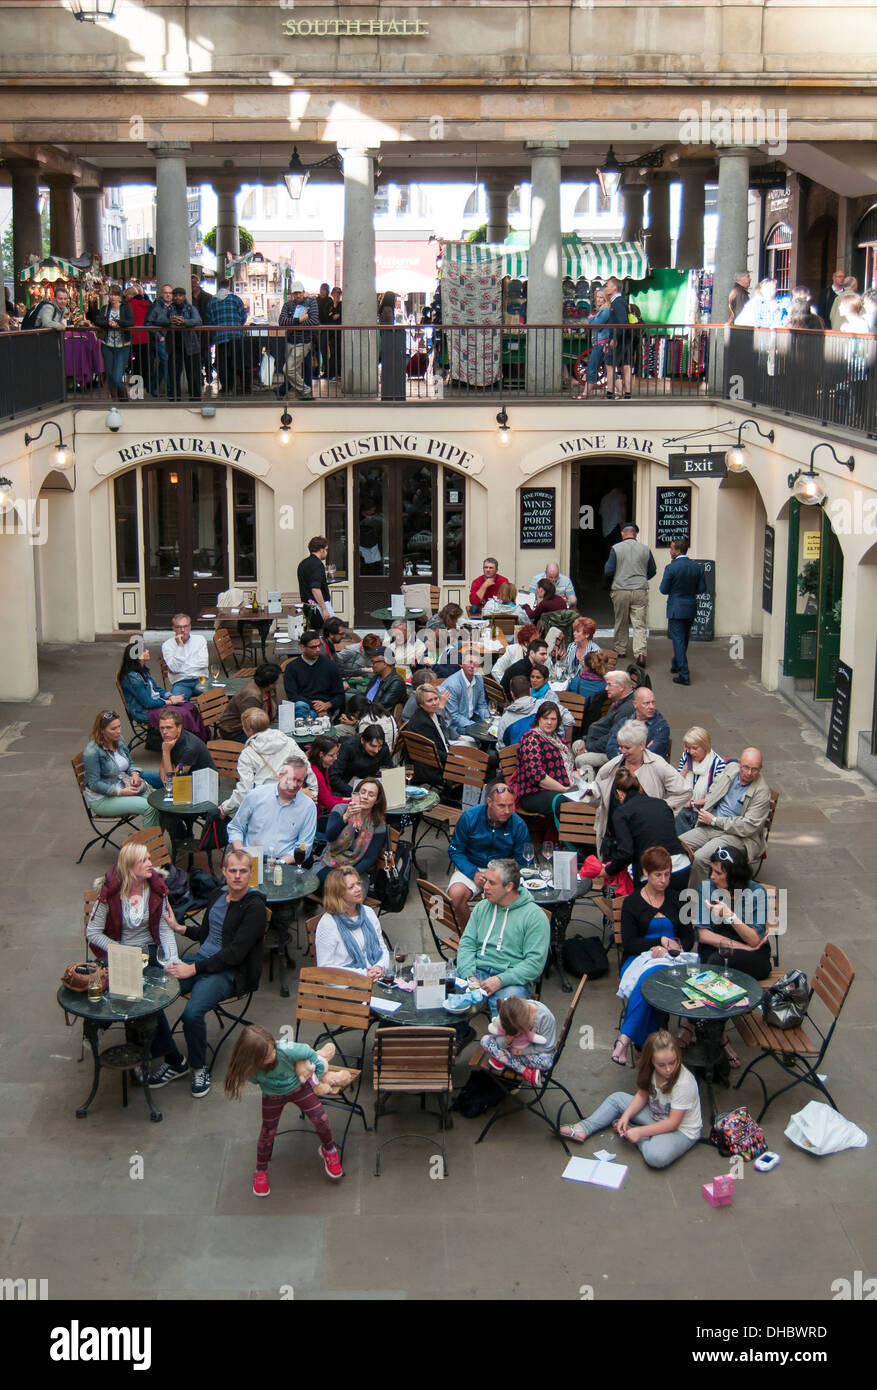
(256,853)
(125,967)
(565,869)
(393,782)
(286,716)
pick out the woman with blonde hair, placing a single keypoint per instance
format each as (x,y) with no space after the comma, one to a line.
(348,933)
(699,766)
(133,909)
(113,785)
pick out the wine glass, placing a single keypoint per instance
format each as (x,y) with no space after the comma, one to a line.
(547,857)
(168,787)
(725,949)
(528,855)
(270,858)
(300,854)
(214,672)
(163,959)
(409,772)
(400,955)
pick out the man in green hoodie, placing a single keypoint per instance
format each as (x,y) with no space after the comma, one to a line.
(505,944)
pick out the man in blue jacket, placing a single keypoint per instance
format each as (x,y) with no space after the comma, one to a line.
(492,830)
(467,702)
(682,581)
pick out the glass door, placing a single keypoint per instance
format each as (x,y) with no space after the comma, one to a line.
(394,532)
(184,512)
(802,589)
(831,578)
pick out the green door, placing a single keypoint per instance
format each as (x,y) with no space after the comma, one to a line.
(831,576)
(802,589)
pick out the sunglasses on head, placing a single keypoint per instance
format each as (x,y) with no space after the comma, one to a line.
(107,716)
(724,855)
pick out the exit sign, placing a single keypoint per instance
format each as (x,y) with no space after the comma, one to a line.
(707,465)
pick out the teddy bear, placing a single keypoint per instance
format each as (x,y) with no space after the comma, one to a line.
(333,1080)
(520,1041)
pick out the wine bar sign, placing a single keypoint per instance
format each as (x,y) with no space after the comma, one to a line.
(537,518)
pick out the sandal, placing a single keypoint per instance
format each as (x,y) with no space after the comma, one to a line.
(574,1132)
(621,1053)
(732,1056)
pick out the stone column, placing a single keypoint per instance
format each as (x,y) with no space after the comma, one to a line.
(359,350)
(632,203)
(171,215)
(659,222)
(733,225)
(62,234)
(19,678)
(545,287)
(689,251)
(498,191)
(91,231)
(27,232)
(228,240)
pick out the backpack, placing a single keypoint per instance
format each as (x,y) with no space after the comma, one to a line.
(30,318)
(585,955)
(390,885)
(480,1093)
(737,1133)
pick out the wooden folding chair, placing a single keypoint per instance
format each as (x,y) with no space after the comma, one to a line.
(774,798)
(225,753)
(153,838)
(576,824)
(792,1048)
(512,1082)
(464,767)
(224,649)
(116,823)
(420,751)
(414,1061)
(575,704)
(211,703)
(339,1001)
(494,691)
(443,924)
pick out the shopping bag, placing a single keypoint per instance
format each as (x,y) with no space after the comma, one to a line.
(821,1130)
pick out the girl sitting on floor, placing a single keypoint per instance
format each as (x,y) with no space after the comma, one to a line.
(521,1038)
(270,1065)
(663,1117)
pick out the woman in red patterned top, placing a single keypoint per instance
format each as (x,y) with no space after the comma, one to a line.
(545,764)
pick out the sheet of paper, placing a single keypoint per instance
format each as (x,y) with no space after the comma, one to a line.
(604,1156)
(125,965)
(385,1006)
(580,795)
(256,853)
(182,791)
(598,1174)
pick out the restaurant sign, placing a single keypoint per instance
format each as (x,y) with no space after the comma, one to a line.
(424,446)
(355,28)
(169,447)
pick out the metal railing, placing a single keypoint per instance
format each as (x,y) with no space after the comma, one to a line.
(829,377)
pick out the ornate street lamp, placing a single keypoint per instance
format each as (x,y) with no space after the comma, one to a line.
(90,11)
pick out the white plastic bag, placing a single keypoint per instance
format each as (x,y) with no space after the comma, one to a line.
(821,1130)
(266,369)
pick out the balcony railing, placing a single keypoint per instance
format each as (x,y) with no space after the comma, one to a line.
(827,377)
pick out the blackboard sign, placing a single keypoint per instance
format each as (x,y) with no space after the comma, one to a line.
(839,722)
(697,465)
(537,518)
(673,514)
(767,570)
(702,629)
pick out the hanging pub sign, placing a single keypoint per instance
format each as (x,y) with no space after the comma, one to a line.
(537,518)
(698,465)
(672,514)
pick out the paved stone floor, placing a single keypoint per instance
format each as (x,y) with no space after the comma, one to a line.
(502,1223)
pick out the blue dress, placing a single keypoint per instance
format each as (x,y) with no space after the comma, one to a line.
(640,1019)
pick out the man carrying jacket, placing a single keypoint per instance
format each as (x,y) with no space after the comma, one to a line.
(491,830)
(682,581)
(228,962)
(505,945)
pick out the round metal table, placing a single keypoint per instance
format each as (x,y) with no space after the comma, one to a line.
(140,1017)
(408,1015)
(297,884)
(410,814)
(663,989)
(170,811)
(385,616)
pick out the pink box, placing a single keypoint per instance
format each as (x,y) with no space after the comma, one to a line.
(719,1192)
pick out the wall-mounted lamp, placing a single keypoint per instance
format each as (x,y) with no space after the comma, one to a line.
(7,496)
(62,456)
(285,427)
(737,458)
(502,421)
(173,479)
(807,486)
(298,173)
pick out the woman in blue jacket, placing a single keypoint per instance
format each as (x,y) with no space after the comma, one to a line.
(144,700)
(600,315)
(113,785)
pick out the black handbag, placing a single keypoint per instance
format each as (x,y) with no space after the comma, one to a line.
(785,1003)
(686,819)
(585,955)
(391,882)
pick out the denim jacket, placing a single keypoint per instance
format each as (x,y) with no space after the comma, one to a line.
(142,694)
(101,772)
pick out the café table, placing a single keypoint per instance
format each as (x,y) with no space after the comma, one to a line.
(281,899)
(480,731)
(409,1016)
(386,616)
(410,812)
(170,811)
(259,618)
(663,989)
(560,903)
(140,1017)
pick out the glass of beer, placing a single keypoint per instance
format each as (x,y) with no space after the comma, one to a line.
(300,854)
(95,985)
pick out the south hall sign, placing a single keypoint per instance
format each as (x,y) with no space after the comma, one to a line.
(355,28)
(373,445)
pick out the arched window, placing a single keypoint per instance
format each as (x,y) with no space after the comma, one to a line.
(865,239)
(778,255)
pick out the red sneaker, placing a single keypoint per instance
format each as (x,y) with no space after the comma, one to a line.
(332,1163)
(495,1064)
(533,1075)
(261,1186)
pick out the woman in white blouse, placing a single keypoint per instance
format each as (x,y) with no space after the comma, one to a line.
(348,933)
(699,765)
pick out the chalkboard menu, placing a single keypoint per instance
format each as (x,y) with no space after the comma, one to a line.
(673,514)
(537,518)
(839,722)
(702,629)
(767,570)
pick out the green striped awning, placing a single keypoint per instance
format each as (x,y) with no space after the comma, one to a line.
(589,259)
(140,267)
(51,268)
